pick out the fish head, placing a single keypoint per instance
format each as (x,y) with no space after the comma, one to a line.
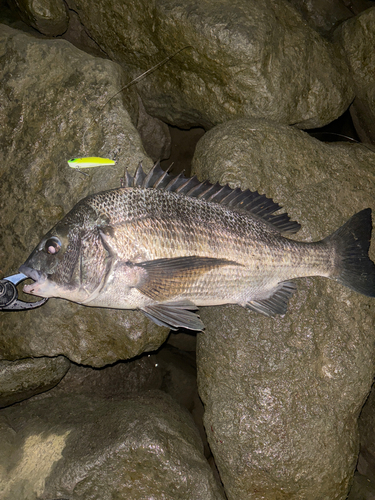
(70,261)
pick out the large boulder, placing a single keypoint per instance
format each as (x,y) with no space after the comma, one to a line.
(81,447)
(282,395)
(52,98)
(240,59)
(25,378)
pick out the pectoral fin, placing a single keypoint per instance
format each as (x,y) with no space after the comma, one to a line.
(175,315)
(277,303)
(168,278)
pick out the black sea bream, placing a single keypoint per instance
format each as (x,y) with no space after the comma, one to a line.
(166,245)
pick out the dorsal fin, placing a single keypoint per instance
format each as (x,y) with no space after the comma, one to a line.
(251,201)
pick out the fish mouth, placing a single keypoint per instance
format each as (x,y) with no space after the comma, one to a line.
(34,274)
(38,277)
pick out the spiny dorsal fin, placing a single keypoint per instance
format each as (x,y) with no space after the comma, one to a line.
(251,201)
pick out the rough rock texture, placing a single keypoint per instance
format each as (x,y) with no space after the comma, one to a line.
(115,382)
(89,336)
(244,58)
(77,35)
(155,135)
(362,488)
(321,15)
(357,37)
(366,423)
(282,395)
(50,17)
(170,369)
(51,96)
(24,378)
(87,448)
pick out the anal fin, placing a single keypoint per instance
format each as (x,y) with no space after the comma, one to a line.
(175,315)
(277,303)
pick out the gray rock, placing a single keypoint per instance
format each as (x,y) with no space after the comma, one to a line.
(357,38)
(242,58)
(87,448)
(282,395)
(52,97)
(22,379)
(50,17)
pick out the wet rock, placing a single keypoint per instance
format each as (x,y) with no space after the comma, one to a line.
(242,58)
(171,370)
(357,38)
(278,391)
(78,447)
(52,97)
(50,17)
(24,378)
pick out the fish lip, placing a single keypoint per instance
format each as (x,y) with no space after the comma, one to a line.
(34,274)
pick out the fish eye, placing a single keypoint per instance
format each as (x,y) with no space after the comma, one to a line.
(52,246)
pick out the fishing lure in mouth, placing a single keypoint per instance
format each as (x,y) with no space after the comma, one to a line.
(89,162)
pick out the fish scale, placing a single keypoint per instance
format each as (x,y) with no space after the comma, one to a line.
(166,245)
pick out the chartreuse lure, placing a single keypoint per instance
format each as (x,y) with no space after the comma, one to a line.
(92,161)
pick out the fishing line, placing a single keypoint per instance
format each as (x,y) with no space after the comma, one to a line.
(136,80)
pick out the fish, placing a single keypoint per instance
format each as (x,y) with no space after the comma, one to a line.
(167,245)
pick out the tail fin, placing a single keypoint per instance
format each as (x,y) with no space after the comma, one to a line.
(352,242)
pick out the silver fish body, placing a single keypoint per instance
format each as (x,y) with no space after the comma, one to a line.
(166,245)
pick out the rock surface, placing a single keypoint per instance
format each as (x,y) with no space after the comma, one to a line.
(155,135)
(242,58)
(170,370)
(366,423)
(357,37)
(89,448)
(51,94)
(282,395)
(24,378)
(362,488)
(321,15)
(50,17)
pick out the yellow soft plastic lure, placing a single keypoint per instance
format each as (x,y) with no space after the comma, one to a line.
(92,161)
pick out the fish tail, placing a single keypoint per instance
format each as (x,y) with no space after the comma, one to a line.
(351,242)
